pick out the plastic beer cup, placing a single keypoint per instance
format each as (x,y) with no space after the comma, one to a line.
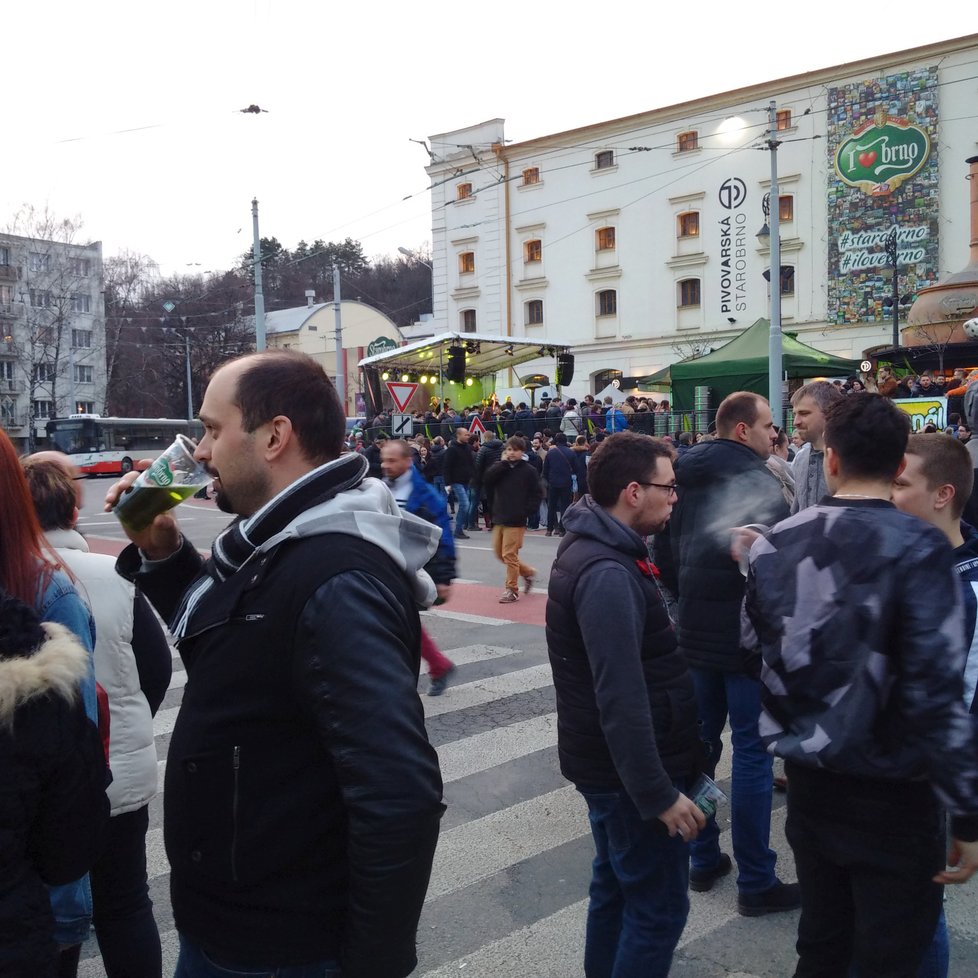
(173,477)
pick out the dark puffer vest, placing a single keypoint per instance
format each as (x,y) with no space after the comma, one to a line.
(585,758)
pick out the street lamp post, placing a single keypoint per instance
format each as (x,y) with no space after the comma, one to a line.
(893,272)
(772,234)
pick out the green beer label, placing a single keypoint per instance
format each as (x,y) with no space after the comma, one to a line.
(159,473)
(881,155)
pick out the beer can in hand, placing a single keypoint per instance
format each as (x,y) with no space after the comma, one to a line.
(175,476)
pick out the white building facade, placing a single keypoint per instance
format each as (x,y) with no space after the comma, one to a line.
(52,341)
(635,239)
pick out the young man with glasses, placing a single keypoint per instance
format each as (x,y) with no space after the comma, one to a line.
(627,732)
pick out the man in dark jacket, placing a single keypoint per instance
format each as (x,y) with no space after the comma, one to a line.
(863,698)
(626,710)
(723,484)
(489,453)
(297,833)
(459,469)
(558,473)
(514,488)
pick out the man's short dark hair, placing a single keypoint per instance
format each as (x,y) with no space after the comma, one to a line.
(292,384)
(560,438)
(868,434)
(741,406)
(53,493)
(821,392)
(945,461)
(685,438)
(517,443)
(620,459)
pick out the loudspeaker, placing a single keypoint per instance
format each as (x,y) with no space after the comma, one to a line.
(373,389)
(565,369)
(455,368)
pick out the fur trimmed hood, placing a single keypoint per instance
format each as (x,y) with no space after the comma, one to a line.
(55,665)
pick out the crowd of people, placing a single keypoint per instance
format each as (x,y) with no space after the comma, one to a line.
(753,583)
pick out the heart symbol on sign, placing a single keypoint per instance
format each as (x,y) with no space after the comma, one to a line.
(867,159)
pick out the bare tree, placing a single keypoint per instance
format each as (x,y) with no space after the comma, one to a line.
(936,337)
(694,347)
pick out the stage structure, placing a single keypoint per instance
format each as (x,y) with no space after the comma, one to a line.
(466,368)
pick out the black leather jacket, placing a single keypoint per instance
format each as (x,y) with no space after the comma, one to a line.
(302,795)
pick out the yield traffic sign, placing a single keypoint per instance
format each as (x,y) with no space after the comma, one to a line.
(477,424)
(401,394)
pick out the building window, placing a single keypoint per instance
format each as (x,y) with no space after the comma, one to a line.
(84,374)
(81,302)
(39,262)
(689,225)
(6,370)
(4,256)
(44,409)
(782,119)
(78,266)
(604,159)
(81,338)
(6,293)
(607,302)
(468,321)
(687,141)
(689,292)
(533,250)
(85,407)
(605,239)
(466,262)
(787,279)
(531,175)
(786,208)
(44,372)
(534,312)
(42,298)
(463,191)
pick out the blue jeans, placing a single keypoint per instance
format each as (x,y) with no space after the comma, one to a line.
(638,895)
(194,963)
(462,503)
(719,695)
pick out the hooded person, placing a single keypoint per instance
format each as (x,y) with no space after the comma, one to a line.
(297,833)
(53,809)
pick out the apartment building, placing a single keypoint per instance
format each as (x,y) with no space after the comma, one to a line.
(52,333)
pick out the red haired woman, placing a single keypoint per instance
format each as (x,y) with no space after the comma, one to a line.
(32,572)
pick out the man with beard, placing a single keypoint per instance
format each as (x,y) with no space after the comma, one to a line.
(298,835)
(725,484)
(626,710)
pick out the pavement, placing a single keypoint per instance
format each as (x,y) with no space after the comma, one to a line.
(508,891)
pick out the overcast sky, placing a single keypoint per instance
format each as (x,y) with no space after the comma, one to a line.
(125,114)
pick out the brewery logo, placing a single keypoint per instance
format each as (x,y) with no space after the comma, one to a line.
(882,155)
(380,345)
(159,473)
(733,192)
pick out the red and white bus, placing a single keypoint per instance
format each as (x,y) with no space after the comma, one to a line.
(111,446)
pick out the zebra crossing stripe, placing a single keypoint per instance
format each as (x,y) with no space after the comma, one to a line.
(487,750)
(484,691)
(485,846)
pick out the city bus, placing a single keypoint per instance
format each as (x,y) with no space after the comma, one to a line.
(111,446)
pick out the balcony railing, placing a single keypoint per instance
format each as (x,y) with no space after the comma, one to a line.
(9,273)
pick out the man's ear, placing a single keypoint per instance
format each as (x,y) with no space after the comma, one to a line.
(945,496)
(278,437)
(831,462)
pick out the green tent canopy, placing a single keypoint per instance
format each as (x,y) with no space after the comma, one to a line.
(742,365)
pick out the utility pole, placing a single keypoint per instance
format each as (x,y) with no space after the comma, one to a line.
(190,392)
(259,295)
(340,361)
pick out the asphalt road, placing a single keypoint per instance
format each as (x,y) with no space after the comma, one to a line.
(508,891)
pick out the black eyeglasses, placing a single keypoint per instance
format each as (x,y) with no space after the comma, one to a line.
(669,487)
